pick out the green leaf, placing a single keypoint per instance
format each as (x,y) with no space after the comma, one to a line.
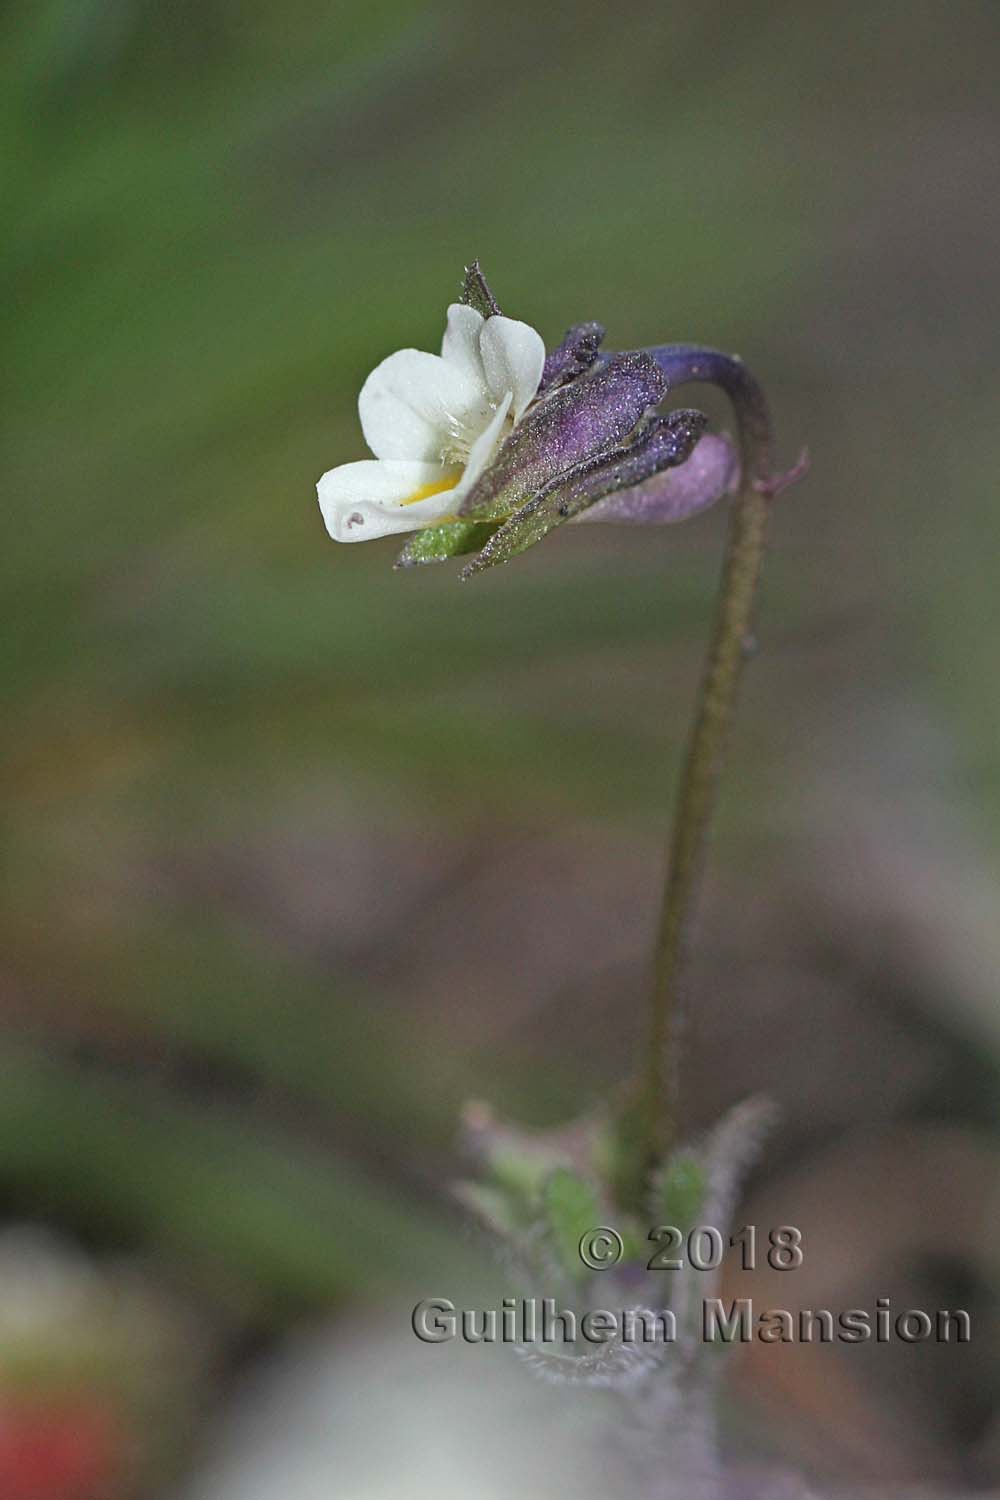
(681,1192)
(571,1209)
(449,539)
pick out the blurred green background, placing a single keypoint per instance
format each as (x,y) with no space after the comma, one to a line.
(301,854)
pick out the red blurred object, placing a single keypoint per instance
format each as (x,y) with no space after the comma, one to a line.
(71,1450)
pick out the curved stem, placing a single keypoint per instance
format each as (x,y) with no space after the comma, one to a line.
(730,644)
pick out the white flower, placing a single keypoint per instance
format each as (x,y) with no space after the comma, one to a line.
(434,423)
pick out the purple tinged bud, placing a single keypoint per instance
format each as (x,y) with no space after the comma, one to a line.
(711,472)
(574,424)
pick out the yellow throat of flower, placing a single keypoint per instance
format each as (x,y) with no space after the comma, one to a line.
(427,490)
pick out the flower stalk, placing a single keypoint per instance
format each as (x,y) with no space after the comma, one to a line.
(652,1131)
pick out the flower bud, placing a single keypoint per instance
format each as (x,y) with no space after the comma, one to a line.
(712,471)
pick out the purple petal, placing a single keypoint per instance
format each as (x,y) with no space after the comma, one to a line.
(711,472)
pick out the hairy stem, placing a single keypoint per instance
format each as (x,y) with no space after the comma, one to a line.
(729,646)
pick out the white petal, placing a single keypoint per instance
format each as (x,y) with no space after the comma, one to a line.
(375,497)
(513,356)
(413,403)
(483,449)
(460,345)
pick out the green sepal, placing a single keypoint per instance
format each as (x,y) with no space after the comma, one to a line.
(526,528)
(476,292)
(448,539)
